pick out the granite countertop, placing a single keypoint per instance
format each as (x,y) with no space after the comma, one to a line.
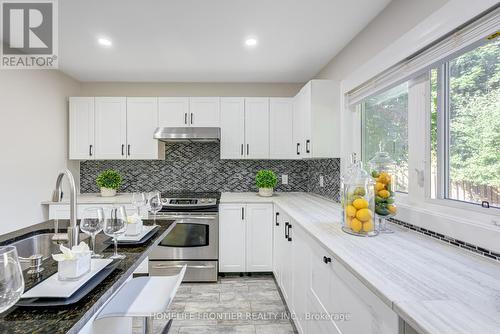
(435,287)
(120,198)
(70,319)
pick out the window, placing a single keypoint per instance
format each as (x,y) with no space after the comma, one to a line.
(465,127)
(385,121)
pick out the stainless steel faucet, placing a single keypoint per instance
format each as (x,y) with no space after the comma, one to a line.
(57,197)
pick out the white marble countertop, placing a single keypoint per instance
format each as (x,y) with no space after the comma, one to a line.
(436,288)
(120,198)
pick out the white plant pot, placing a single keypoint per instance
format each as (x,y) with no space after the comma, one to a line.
(266,192)
(108,192)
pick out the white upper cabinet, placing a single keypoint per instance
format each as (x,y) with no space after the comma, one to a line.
(173,111)
(317,120)
(81,128)
(232,124)
(110,127)
(142,120)
(189,111)
(257,128)
(281,143)
(204,112)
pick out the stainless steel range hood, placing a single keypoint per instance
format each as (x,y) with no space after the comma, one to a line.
(182,134)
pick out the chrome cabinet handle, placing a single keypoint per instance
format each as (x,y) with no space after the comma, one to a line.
(248,149)
(289,237)
(185,217)
(242,150)
(308,142)
(192,119)
(286,229)
(185,118)
(242,213)
(276,221)
(90,150)
(167,266)
(123,148)
(298,148)
(128,150)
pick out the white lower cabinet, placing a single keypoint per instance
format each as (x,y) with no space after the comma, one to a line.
(336,292)
(245,237)
(321,293)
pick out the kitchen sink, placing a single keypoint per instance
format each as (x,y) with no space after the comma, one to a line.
(44,245)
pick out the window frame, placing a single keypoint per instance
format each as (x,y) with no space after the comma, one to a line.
(443,139)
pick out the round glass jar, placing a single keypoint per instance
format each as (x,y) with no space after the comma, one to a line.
(358,203)
(383,170)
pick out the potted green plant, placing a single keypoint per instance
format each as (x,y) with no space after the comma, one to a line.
(109,181)
(266,181)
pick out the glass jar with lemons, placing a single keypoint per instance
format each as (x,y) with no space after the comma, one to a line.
(358,203)
(382,169)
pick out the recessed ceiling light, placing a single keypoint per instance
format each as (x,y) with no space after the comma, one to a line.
(104,42)
(251,42)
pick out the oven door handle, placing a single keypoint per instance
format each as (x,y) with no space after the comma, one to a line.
(176,266)
(186,217)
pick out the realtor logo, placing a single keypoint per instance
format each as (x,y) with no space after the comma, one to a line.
(29,34)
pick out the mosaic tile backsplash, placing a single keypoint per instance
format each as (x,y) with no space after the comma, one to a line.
(198,167)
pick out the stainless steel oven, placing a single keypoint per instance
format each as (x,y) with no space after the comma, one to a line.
(193,241)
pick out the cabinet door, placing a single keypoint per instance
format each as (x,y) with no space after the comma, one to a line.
(110,127)
(298,131)
(301,273)
(259,238)
(81,128)
(277,236)
(232,238)
(287,273)
(204,112)
(305,105)
(142,120)
(173,111)
(257,128)
(232,126)
(368,314)
(281,129)
(320,285)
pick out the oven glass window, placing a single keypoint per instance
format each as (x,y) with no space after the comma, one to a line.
(187,235)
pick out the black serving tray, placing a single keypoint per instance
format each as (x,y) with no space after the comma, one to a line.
(75,297)
(144,239)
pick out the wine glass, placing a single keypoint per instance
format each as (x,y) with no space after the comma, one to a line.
(91,224)
(138,200)
(114,226)
(11,278)
(155,204)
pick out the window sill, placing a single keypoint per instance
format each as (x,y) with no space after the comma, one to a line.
(462,224)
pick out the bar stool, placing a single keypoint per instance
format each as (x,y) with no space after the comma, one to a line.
(140,297)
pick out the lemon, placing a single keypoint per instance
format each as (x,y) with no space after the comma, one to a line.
(360,203)
(348,222)
(368,226)
(364,215)
(350,211)
(392,208)
(356,225)
(379,186)
(384,193)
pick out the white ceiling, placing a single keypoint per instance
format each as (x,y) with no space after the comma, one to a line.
(203,40)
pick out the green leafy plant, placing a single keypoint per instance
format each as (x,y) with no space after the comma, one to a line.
(109,179)
(265,179)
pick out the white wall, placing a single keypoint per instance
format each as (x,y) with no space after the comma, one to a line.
(394,21)
(189,89)
(34,145)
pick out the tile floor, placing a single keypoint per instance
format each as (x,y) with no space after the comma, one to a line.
(249,304)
